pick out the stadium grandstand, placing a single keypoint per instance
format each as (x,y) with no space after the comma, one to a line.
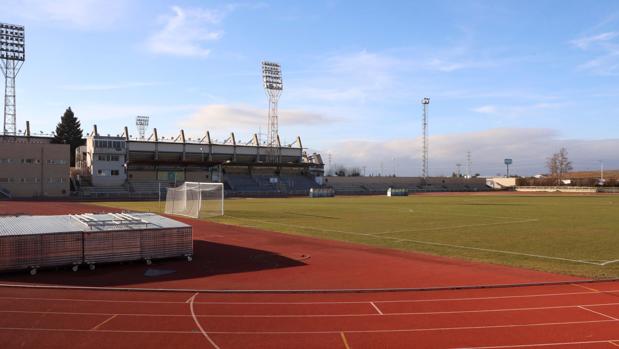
(122,166)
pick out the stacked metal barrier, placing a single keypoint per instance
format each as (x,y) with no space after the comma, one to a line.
(33,242)
(30,242)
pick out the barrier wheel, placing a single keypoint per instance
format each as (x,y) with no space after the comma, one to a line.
(91,266)
(189,258)
(75,267)
(149,262)
(33,271)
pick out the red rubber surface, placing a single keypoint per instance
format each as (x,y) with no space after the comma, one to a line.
(552,316)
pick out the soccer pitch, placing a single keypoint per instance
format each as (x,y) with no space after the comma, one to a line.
(577,235)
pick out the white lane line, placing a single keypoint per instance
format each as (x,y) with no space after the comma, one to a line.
(104,322)
(316,302)
(609,262)
(195,319)
(405,330)
(377,309)
(585,287)
(193,296)
(378,312)
(562,344)
(597,312)
(421,242)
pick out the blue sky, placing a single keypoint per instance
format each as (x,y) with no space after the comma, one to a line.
(517,79)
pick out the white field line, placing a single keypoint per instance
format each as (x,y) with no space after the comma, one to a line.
(610,262)
(536,345)
(584,307)
(421,242)
(456,227)
(373,314)
(591,291)
(404,330)
(195,319)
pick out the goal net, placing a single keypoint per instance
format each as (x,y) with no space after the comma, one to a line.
(196,199)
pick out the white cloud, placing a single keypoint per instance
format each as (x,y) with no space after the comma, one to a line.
(81,14)
(529,147)
(518,110)
(486,109)
(246,120)
(186,32)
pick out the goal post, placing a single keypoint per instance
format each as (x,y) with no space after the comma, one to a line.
(196,200)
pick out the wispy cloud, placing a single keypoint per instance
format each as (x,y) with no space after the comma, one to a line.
(80,14)
(186,32)
(606,50)
(109,87)
(585,42)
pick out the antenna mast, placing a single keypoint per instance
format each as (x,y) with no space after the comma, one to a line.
(12,57)
(424,156)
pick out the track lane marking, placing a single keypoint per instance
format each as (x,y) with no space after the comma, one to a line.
(315,302)
(344,340)
(599,313)
(428,329)
(197,322)
(373,314)
(457,226)
(104,322)
(377,308)
(190,299)
(613,343)
(585,287)
(541,344)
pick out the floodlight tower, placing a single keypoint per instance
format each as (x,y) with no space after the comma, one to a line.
(12,56)
(273,86)
(424,156)
(141,122)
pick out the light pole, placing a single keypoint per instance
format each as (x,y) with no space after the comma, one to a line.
(507,163)
(601,172)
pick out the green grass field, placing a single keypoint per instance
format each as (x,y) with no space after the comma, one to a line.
(577,235)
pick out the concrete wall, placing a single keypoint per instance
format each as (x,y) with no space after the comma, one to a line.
(34,169)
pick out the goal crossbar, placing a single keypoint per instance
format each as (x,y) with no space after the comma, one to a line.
(196,200)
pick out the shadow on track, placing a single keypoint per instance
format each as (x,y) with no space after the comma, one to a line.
(209,259)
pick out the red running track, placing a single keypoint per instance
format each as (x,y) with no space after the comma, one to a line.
(551,316)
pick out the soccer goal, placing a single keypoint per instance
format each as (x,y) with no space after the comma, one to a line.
(321,192)
(397,192)
(196,200)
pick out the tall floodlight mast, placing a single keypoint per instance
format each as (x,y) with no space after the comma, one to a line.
(273,86)
(141,122)
(12,57)
(424,156)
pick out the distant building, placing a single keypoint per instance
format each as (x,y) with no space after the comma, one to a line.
(33,167)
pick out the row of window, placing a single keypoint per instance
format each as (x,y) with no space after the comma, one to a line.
(32,180)
(108,172)
(108,157)
(30,161)
(109,144)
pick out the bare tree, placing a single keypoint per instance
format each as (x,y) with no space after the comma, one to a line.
(559,164)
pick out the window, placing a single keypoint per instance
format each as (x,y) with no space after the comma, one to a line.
(114,172)
(4,179)
(114,157)
(56,162)
(28,161)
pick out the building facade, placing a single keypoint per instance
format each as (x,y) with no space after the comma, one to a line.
(33,167)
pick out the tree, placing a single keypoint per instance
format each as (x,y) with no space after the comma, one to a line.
(69,131)
(559,164)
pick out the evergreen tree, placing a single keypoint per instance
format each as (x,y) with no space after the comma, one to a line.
(69,131)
